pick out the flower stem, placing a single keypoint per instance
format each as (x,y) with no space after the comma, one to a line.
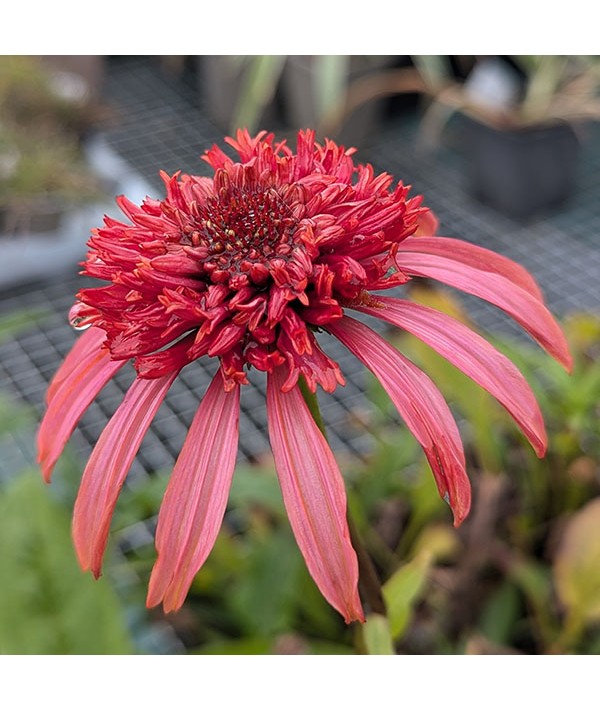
(312,403)
(368,581)
(369,584)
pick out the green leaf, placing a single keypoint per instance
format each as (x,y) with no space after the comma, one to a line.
(401,592)
(377,636)
(439,541)
(329,648)
(330,72)
(266,596)
(577,564)
(501,613)
(47,604)
(259,85)
(319,619)
(11,324)
(533,579)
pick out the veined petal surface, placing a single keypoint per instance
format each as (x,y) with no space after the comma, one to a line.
(513,294)
(421,406)
(196,497)
(71,397)
(108,466)
(472,354)
(314,496)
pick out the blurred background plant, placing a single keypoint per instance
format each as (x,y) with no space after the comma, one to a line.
(325,90)
(524,120)
(36,93)
(511,92)
(524,116)
(44,116)
(338,95)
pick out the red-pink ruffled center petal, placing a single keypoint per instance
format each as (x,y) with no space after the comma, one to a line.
(247,265)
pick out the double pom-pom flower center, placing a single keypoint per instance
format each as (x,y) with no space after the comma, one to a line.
(241,232)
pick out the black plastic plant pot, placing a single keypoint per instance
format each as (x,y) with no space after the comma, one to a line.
(521,172)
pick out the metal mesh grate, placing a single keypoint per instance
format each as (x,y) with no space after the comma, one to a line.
(160,124)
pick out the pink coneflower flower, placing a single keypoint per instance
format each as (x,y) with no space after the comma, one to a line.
(248,267)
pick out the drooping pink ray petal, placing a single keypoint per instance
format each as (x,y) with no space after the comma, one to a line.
(195,500)
(314,496)
(420,404)
(494,287)
(71,398)
(475,256)
(474,356)
(108,466)
(90,340)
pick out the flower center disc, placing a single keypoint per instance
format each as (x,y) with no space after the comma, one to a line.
(241,230)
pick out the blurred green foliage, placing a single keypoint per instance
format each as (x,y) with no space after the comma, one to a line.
(37,165)
(47,605)
(37,97)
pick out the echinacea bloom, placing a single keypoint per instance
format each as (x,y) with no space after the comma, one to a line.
(248,266)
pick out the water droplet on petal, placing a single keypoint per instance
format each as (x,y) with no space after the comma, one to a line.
(79,317)
(447,498)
